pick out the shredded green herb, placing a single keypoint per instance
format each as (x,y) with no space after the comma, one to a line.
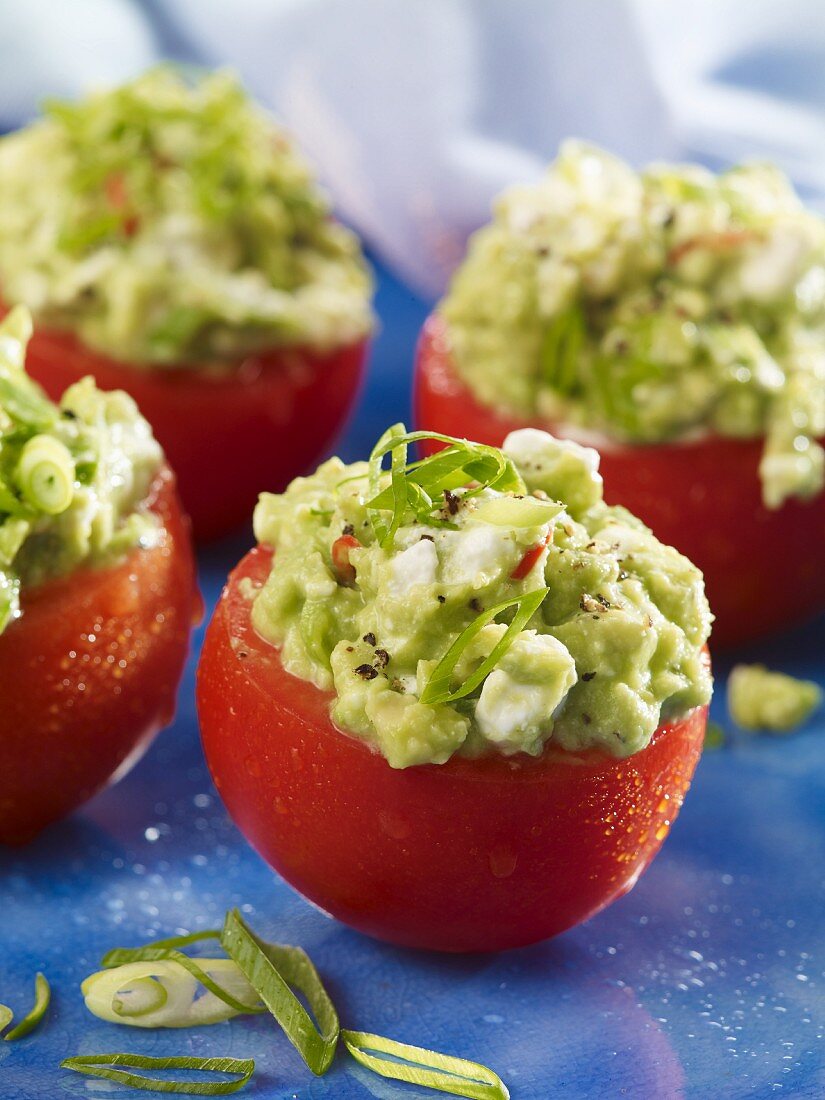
(428,1068)
(102,1065)
(437,689)
(417,489)
(42,999)
(271,969)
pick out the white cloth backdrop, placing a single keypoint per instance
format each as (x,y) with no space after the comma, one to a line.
(418,111)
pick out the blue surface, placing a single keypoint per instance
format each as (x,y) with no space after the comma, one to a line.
(706,981)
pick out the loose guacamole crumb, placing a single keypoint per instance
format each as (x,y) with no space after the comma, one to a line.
(761,699)
(653,306)
(73,476)
(171,222)
(615,645)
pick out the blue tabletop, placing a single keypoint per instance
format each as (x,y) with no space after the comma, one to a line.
(705,981)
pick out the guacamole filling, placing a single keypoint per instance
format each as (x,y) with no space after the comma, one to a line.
(651,307)
(480,600)
(73,476)
(169,222)
(759,698)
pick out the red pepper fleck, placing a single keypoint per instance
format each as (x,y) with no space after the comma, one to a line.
(343,567)
(530,558)
(117,197)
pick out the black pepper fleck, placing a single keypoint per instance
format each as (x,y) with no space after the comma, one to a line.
(366,672)
(475,605)
(382,658)
(587,676)
(452,500)
(441,599)
(347,529)
(586,718)
(369,638)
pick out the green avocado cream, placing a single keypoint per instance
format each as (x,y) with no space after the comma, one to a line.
(73,476)
(652,307)
(169,222)
(480,600)
(761,699)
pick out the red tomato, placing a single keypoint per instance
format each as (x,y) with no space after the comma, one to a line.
(89,673)
(471,855)
(227,435)
(763,569)
(340,558)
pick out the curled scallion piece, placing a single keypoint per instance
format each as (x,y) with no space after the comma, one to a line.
(442,1072)
(164,993)
(416,489)
(271,969)
(45,474)
(103,1066)
(438,689)
(42,999)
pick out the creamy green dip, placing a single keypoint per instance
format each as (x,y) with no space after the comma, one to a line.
(73,476)
(759,698)
(653,306)
(168,222)
(384,588)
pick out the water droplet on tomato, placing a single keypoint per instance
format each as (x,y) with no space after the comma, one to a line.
(502,861)
(253,766)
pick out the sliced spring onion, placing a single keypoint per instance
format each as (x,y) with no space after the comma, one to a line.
(517,511)
(418,487)
(428,1068)
(271,969)
(45,474)
(6,1017)
(437,689)
(101,1065)
(164,994)
(155,953)
(42,998)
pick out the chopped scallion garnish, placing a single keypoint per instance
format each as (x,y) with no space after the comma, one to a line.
(416,489)
(438,689)
(428,1068)
(102,1065)
(42,998)
(271,969)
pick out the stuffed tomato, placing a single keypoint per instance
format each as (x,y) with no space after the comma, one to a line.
(179,249)
(676,321)
(456,704)
(97,592)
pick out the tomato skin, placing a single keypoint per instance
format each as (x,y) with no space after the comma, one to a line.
(228,435)
(73,715)
(763,569)
(464,856)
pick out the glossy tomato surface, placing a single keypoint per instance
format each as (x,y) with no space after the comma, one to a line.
(464,856)
(89,673)
(228,433)
(763,569)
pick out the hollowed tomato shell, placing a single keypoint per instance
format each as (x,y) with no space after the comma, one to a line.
(228,433)
(763,568)
(471,855)
(89,673)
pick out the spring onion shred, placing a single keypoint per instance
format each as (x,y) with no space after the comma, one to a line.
(6,1017)
(428,1068)
(101,1065)
(42,998)
(437,689)
(416,489)
(167,951)
(271,969)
